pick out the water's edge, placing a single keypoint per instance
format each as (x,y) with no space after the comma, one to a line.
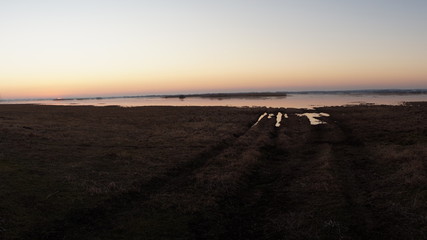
(290,101)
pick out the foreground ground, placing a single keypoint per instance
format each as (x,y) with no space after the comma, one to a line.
(208,173)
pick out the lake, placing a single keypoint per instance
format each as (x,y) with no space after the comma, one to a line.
(290,101)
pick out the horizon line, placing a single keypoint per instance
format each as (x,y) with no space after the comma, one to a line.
(382,90)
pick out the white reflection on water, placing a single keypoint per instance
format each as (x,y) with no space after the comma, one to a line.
(278,119)
(290,101)
(259,119)
(313,117)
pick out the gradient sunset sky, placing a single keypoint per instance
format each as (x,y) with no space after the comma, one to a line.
(125,47)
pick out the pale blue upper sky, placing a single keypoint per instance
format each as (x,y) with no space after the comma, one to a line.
(60,48)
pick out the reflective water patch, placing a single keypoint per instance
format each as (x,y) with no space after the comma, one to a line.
(312,117)
(259,119)
(278,119)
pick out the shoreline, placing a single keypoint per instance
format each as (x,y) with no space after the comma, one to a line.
(290,101)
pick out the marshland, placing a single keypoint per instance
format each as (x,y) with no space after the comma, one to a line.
(85,172)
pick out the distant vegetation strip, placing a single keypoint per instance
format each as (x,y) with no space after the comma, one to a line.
(230,95)
(238,94)
(285,93)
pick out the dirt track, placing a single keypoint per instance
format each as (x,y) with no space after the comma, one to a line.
(360,176)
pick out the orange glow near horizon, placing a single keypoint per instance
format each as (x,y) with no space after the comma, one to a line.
(129,48)
(197,83)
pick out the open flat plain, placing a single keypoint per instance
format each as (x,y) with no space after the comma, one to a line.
(82,172)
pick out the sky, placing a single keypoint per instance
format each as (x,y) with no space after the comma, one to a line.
(58,48)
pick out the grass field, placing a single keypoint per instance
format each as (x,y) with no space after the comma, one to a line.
(82,172)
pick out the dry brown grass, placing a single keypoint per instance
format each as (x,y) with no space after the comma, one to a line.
(204,173)
(88,154)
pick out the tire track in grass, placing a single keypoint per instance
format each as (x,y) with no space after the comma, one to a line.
(213,187)
(244,214)
(84,223)
(236,214)
(351,217)
(358,172)
(350,165)
(315,199)
(283,199)
(336,192)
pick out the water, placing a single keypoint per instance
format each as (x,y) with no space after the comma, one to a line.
(278,119)
(290,101)
(259,119)
(313,117)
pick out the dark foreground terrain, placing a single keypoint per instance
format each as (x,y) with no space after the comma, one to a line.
(206,173)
